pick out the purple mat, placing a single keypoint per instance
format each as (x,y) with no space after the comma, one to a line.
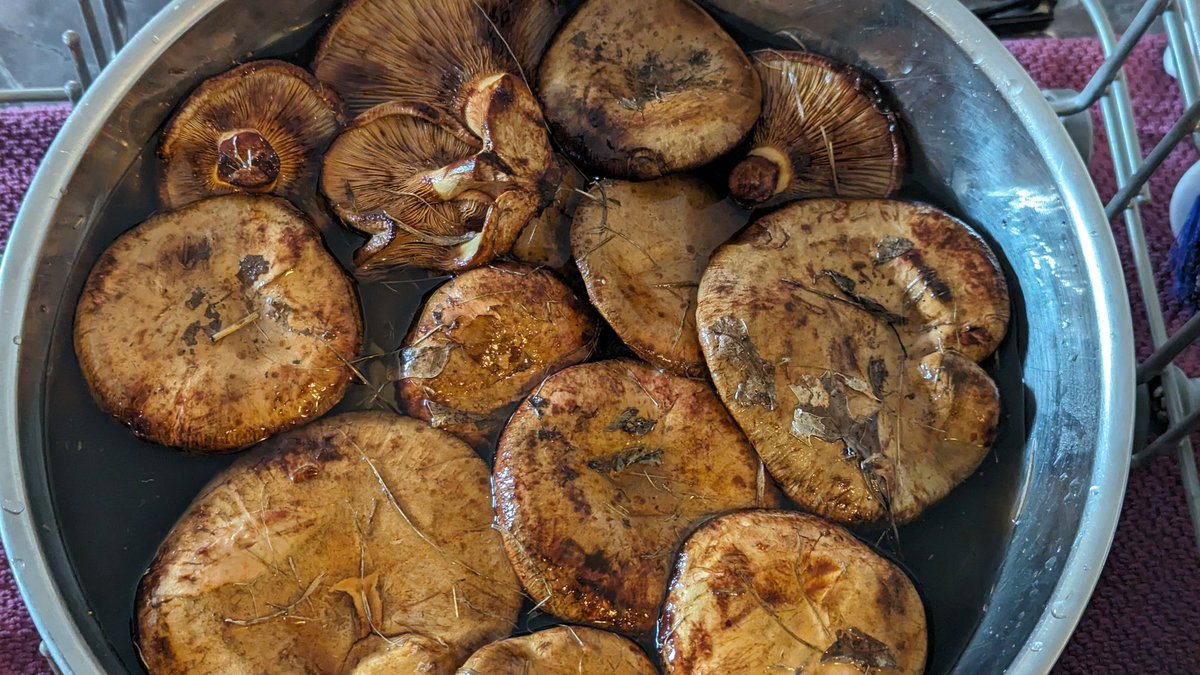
(1146,609)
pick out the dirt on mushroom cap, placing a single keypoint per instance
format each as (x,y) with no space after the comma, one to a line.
(640,89)
(641,249)
(565,650)
(843,337)
(825,131)
(217,325)
(285,106)
(598,477)
(364,526)
(483,341)
(759,591)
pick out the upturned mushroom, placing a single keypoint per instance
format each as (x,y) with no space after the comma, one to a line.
(773,591)
(217,325)
(826,131)
(259,128)
(639,89)
(844,336)
(641,249)
(430,194)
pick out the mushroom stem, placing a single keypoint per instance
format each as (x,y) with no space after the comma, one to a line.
(246,160)
(764,173)
(234,327)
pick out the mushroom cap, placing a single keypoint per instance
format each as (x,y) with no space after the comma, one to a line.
(598,477)
(641,249)
(217,325)
(757,589)
(639,89)
(285,119)
(561,650)
(376,51)
(843,336)
(826,130)
(359,524)
(483,341)
(407,653)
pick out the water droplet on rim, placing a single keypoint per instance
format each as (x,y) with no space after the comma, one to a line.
(12,506)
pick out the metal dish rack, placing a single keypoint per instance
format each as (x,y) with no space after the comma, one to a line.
(1163,391)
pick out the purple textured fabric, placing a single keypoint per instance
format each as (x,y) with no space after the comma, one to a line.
(1146,608)
(25,133)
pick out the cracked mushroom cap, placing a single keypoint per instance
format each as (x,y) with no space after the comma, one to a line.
(599,476)
(639,89)
(311,549)
(260,127)
(217,325)
(483,341)
(641,249)
(562,650)
(767,591)
(825,131)
(843,336)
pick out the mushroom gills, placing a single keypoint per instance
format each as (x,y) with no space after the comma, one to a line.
(826,130)
(429,193)
(260,127)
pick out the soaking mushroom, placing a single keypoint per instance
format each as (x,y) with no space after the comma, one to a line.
(483,341)
(430,194)
(775,591)
(360,541)
(825,131)
(641,249)
(217,325)
(639,89)
(260,127)
(844,336)
(601,473)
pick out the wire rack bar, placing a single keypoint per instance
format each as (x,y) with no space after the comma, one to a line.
(116,19)
(1132,174)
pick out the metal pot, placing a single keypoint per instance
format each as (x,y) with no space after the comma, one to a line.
(1006,563)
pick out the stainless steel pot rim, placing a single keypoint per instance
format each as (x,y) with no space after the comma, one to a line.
(65,643)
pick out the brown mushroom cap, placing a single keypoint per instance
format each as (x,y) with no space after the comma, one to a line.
(562,650)
(217,325)
(760,591)
(357,526)
(483,341)
(641,248)
(843,337)
(598,477)
(409,653)
(825,131)
(639,89)
(260,127)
